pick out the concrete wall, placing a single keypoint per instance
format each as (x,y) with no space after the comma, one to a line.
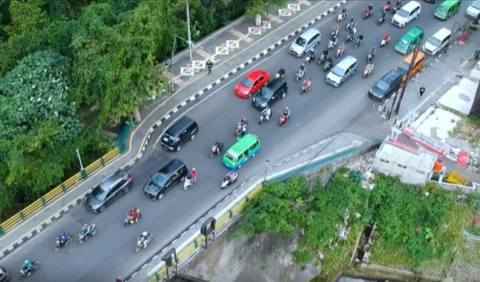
(407,175)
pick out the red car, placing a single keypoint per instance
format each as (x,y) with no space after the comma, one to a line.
(252,83)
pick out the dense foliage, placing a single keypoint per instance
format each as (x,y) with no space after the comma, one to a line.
(70,67)
(411,220)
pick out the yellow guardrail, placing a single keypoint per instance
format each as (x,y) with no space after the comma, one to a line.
(55,192)
(187,252)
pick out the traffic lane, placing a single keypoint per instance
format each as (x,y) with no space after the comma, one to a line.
(349,105)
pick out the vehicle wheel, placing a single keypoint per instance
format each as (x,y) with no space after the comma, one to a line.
(81,241)
(56,249)
(159,196)
(102,209)
(137,250)
(94,231)
(178,148)
(70,239)
(126,190)
(284,94)
(192,137)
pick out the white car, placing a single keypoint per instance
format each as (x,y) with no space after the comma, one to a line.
(473,10)
(406,14)
(437,42)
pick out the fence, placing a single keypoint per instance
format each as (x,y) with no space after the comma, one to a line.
(57,191)
(228,217)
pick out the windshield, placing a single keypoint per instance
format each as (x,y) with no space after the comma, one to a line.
(476,5)
(402,13)
(158,180)
(265,93)
(402,43)
(300,41)
(169,138)
(99,194)
(231,157)
(338,71)
(382,85)
(441,10)
(435,42)
(247,82)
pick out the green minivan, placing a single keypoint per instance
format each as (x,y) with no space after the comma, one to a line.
(242,151)
(447,9)
(409,40)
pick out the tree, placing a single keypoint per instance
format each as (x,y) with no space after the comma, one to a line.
(26,17)
(258,8)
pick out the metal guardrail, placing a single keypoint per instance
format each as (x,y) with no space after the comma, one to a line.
(57,191)
(230,216)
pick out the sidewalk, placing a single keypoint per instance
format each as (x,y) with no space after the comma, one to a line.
(161,111)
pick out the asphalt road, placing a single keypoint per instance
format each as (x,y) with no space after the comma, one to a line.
(320,113)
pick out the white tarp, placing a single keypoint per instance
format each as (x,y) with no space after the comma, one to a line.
(460,97)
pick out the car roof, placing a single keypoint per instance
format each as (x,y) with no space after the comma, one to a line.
(410,5)
(172,166)
(113,179)
(179,126)
(254,74)
(309,33)
(392,75)
(276,83)
(442,33)
(346,62)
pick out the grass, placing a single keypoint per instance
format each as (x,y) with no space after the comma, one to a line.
(469,253)
(468,129)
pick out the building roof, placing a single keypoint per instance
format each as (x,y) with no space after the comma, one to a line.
(419,159)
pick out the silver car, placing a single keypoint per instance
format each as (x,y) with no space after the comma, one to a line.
(308,40)
(473,10)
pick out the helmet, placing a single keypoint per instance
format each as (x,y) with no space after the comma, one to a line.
(193,169)
(286,109)
(244,120)
(144,234)
(26,261)
(85,225)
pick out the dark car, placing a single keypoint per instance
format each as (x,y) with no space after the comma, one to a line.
(114,186)
(4,275)
(269,94)
(169,175)
(176,135)
(385,86)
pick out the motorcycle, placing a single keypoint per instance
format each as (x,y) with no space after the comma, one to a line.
(35,266)
(340,52)
(341,17)
(367,13)
(351,34)
(381,19)
(227,180)
(300,74)
(309,58)
(370,57)
(368,70)
(350,25)
(240,131)
(283,119)
(304,89)
(84,237)
(140,244)
(130,220)
(396,8)
(321,59)
(358,43)
(328,66)
(216,149)
(384,42)
(332,44)
(59,244)
(264,116)
(278,75)
(189,182)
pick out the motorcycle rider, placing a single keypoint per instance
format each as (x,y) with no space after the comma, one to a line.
(86,229)
(386,37)
(341,49)
(267,113)
(336,28)
(144,239)
(63,238)
(360,39)
(243,126)
(311,54)
(372,53)
(344,12)
(301,70)
(133,214)
(387,5)
(307,83)
(383,15)
(329,62)
(218,146)
(27,267)
(350,24)
(333,39)
(229,177)
(325,53)
(281,72)
(286,113)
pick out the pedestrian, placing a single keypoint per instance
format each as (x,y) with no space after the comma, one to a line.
(422,90)
(209,66)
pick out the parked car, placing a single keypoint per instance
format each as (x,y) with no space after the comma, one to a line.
(385,86)
(252,83)
(105,193)
(437,42)
(269,94)
(165,179)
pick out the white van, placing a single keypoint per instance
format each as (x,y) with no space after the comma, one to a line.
(406,14)
(437,42)
(308,40)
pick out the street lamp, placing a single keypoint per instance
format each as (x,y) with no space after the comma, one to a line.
(267,162)
(190,46)
(82,170)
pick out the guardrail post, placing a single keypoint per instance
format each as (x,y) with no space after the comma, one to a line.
(21,215)
(64,189)
(157,277)
(230,214)
(43,201)
(84,174)
(103,162)
(195,243)
(1,231)
(246,199)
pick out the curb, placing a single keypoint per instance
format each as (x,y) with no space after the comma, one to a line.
(262,54)
(166,117)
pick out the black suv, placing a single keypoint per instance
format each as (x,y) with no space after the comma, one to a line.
(273,91)
(176,135)
(172,173)
(386,85)
(114,186)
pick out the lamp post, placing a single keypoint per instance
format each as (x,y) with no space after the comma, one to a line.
(267,162)
(82,169)
(190,46)
(188,30)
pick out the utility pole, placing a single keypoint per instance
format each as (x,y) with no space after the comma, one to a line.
(410,67)
(188,32)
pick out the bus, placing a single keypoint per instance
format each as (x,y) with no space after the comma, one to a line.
(242,151)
